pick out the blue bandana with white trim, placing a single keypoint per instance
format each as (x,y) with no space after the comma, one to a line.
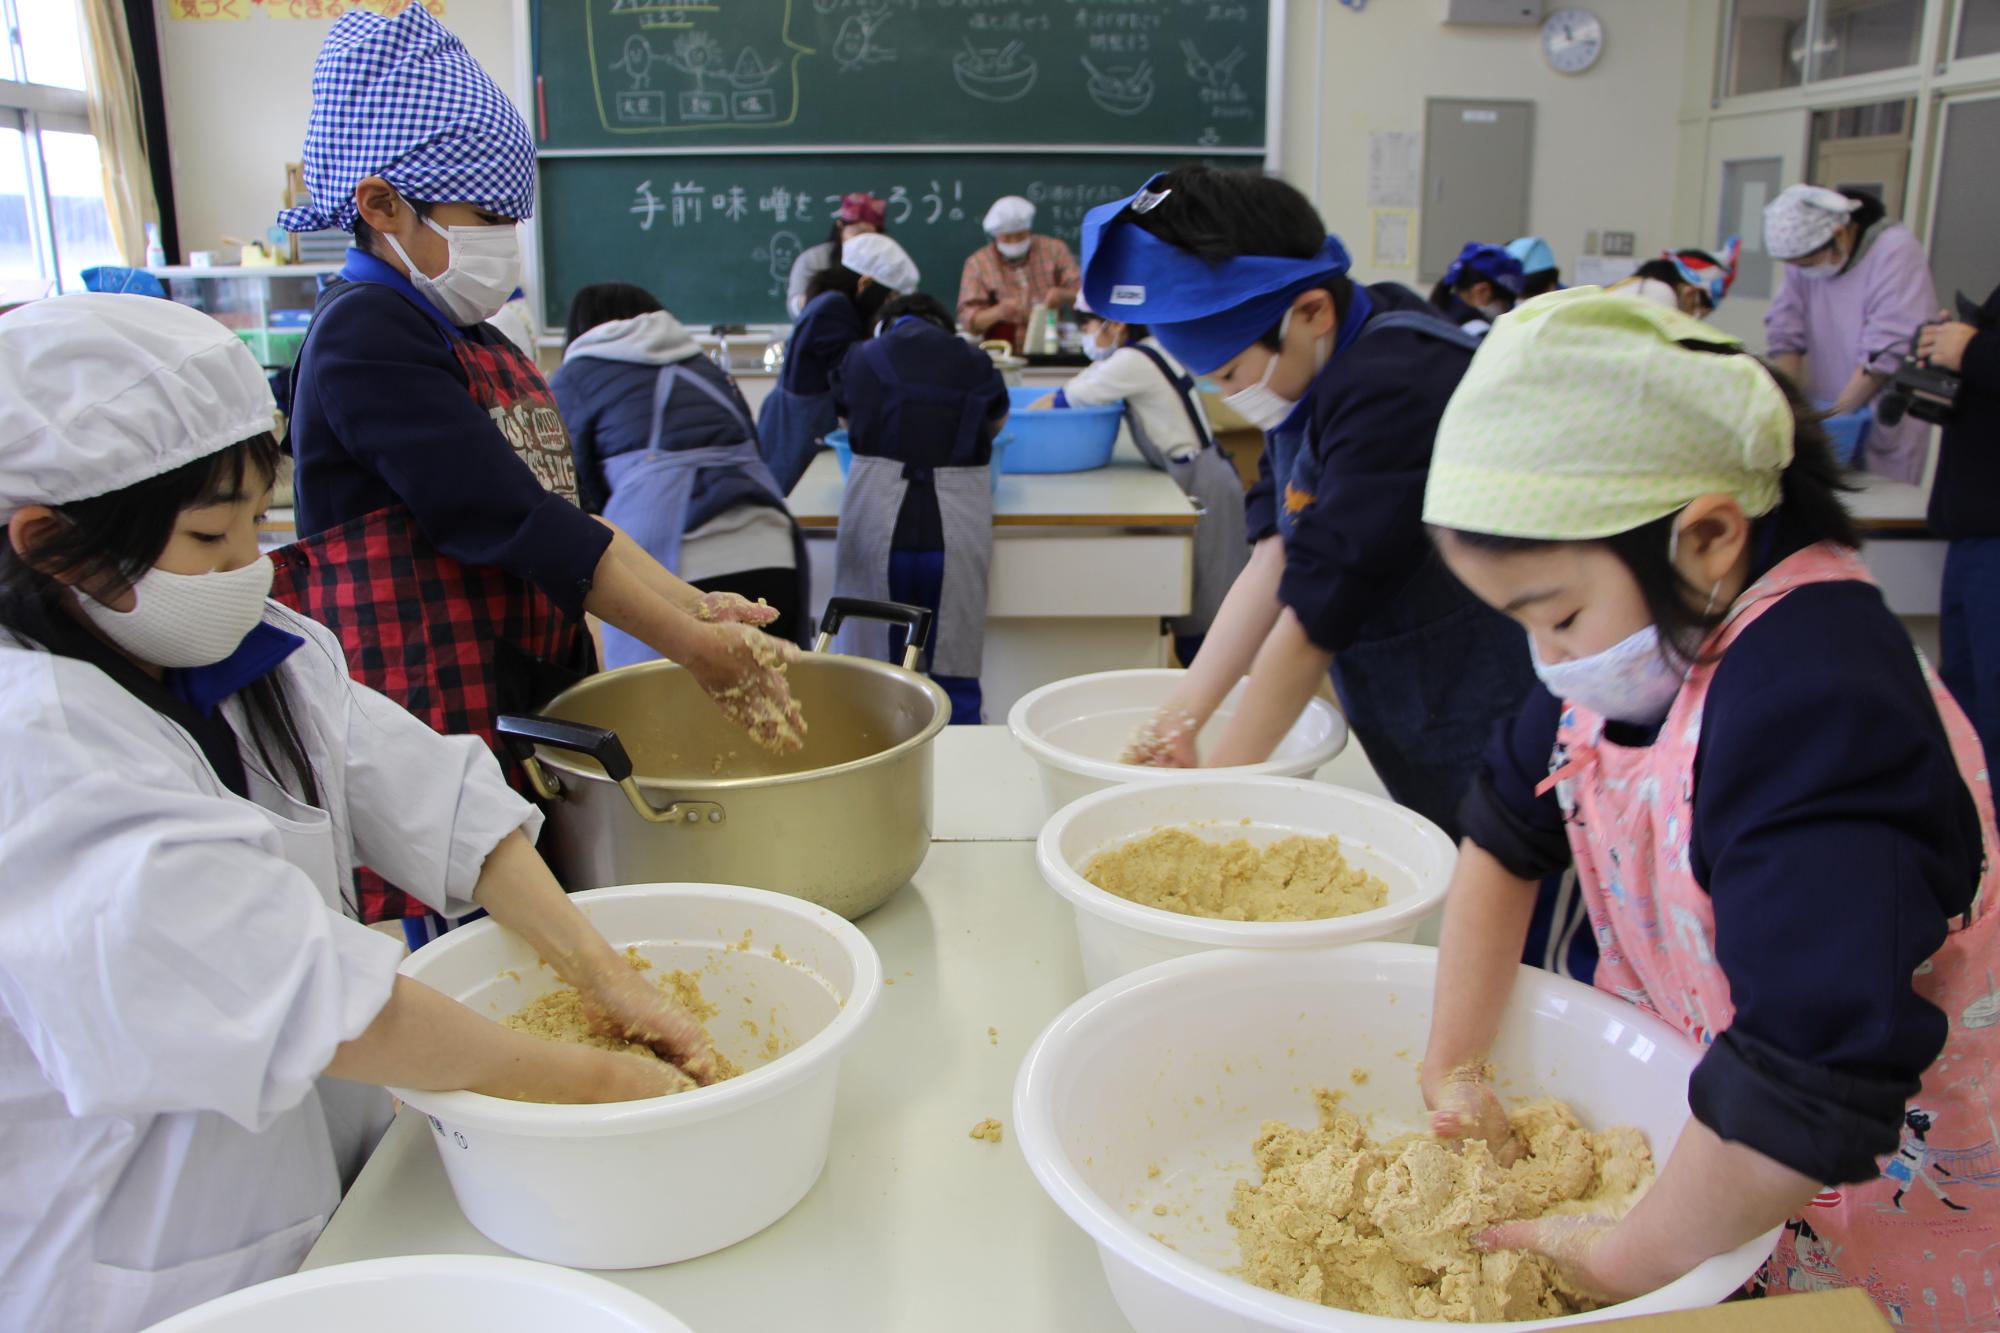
(401,98)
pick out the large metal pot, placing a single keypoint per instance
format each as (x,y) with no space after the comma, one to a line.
(644,781)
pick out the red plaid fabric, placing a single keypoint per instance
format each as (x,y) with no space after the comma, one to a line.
(988,278)
(457,645)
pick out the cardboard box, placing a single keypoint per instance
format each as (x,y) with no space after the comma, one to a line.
(1822,1312)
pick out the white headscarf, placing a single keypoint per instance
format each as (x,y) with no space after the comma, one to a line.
(1803,219)
(876,256)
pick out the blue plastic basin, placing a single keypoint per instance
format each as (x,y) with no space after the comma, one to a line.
(1846,432)
(843,450)
(1061,439)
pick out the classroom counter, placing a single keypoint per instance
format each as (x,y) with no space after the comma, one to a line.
(914,1226)
(1904,555)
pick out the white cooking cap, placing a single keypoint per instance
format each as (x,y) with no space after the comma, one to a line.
(876,256)
(99,392)
(1803,219)
(1009,214)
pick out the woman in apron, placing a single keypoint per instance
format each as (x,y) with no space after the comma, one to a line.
(665,449)
(196,1029)
(1171,430)
(1780,821)
(440,537)
(1235,275)
(916,521)
(846,300)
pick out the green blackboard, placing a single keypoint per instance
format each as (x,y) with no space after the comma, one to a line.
(638,75)
(714,236)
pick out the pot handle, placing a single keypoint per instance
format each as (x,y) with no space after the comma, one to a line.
(917,619)
(522,734)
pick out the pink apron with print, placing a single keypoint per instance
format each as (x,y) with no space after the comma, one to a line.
(1630,815)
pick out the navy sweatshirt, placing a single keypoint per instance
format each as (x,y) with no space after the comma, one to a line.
(1373,416)
(1965,498)
(381,415)
(1835,839)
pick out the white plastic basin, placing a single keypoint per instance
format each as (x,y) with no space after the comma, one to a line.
(1177,1065)
(1075,730)
(636,1184)
(425,1293)
(1115,936)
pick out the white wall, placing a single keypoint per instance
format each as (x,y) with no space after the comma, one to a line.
(1606,142)
(238,94)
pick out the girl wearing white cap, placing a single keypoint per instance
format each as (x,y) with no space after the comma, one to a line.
(1780,822)
(1007,278)
(1856,289)
(189,1010)
(844,300)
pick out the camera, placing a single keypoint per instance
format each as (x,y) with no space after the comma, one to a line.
(1927,393)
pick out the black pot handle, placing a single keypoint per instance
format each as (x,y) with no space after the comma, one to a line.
(523,734)
(917,619)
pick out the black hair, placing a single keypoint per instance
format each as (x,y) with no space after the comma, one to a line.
(365,235)
(1442,293)
(1872,209)
(121,535)
(1540,283)
(921,305)
(1217,215)
(606,303)
(842,279)
(1134,331)
(1809,502)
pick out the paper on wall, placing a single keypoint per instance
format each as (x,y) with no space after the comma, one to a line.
(1395,169)
(1389,245)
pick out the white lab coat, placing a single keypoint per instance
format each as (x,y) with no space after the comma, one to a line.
(176,970)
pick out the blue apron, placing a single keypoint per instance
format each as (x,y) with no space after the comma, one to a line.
(952,582)
(790,427)
(651,491)
(1430,673)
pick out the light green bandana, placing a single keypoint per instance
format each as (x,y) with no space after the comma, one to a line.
(1584,415)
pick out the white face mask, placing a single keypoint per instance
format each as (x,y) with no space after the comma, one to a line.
(482,270)
(1096,350)
(1817,272)
(1631,681)
(1491,312)
(1259,404)
(186,620)
(1015,249)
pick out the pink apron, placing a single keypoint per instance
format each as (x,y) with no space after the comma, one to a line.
(1630,814)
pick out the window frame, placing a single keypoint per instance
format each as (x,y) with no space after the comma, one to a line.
(32,108)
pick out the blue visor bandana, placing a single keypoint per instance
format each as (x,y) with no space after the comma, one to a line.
(403,99)
(1485,261)
(1204,314)
(1535,254)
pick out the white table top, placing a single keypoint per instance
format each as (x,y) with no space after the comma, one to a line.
(1884,504)
(907,1228)
(1127,493)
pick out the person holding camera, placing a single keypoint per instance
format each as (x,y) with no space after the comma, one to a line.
(1965,510)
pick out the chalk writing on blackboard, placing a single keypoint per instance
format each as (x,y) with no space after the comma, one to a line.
(1123,90)
(855,48)
(778,257)
(995,73)
(929,203)
(662,65)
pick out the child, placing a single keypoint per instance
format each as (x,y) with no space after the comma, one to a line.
(1235,274)
(192,1012)
(1539,274)
(666,450)
(844,301)
(1690,281)
(440,537)
(916,522)
(1481,285)
(1172,432)
(1781,823)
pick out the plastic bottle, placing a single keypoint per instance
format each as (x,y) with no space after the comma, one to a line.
(156,254)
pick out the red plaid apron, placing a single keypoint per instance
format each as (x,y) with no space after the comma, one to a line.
(457,645)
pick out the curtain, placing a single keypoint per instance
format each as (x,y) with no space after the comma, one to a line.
(117,120)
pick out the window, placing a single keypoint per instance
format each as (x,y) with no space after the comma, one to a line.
(1978,28)
(52,219)
(1776,44)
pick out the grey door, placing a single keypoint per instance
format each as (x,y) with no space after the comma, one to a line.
(1748,184)
(1477,159)
(1963,255)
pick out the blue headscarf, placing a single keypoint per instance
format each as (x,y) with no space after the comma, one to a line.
(1204,314)
(1535,254)
(403,99)
(1490,262)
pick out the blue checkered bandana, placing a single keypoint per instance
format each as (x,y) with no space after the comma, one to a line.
(403,99)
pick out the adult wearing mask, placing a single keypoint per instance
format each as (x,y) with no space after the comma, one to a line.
(665,449)
(1856,287)
(440,537)
(1015,272)
(1235,274)
(1965,509)
(1481,285)
(1539,274)
(858,215)
(846,300)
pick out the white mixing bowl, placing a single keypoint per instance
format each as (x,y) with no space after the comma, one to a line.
(1115,935)
(1075,730)
(424,1293)
(1177,1066)
(636,1184)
